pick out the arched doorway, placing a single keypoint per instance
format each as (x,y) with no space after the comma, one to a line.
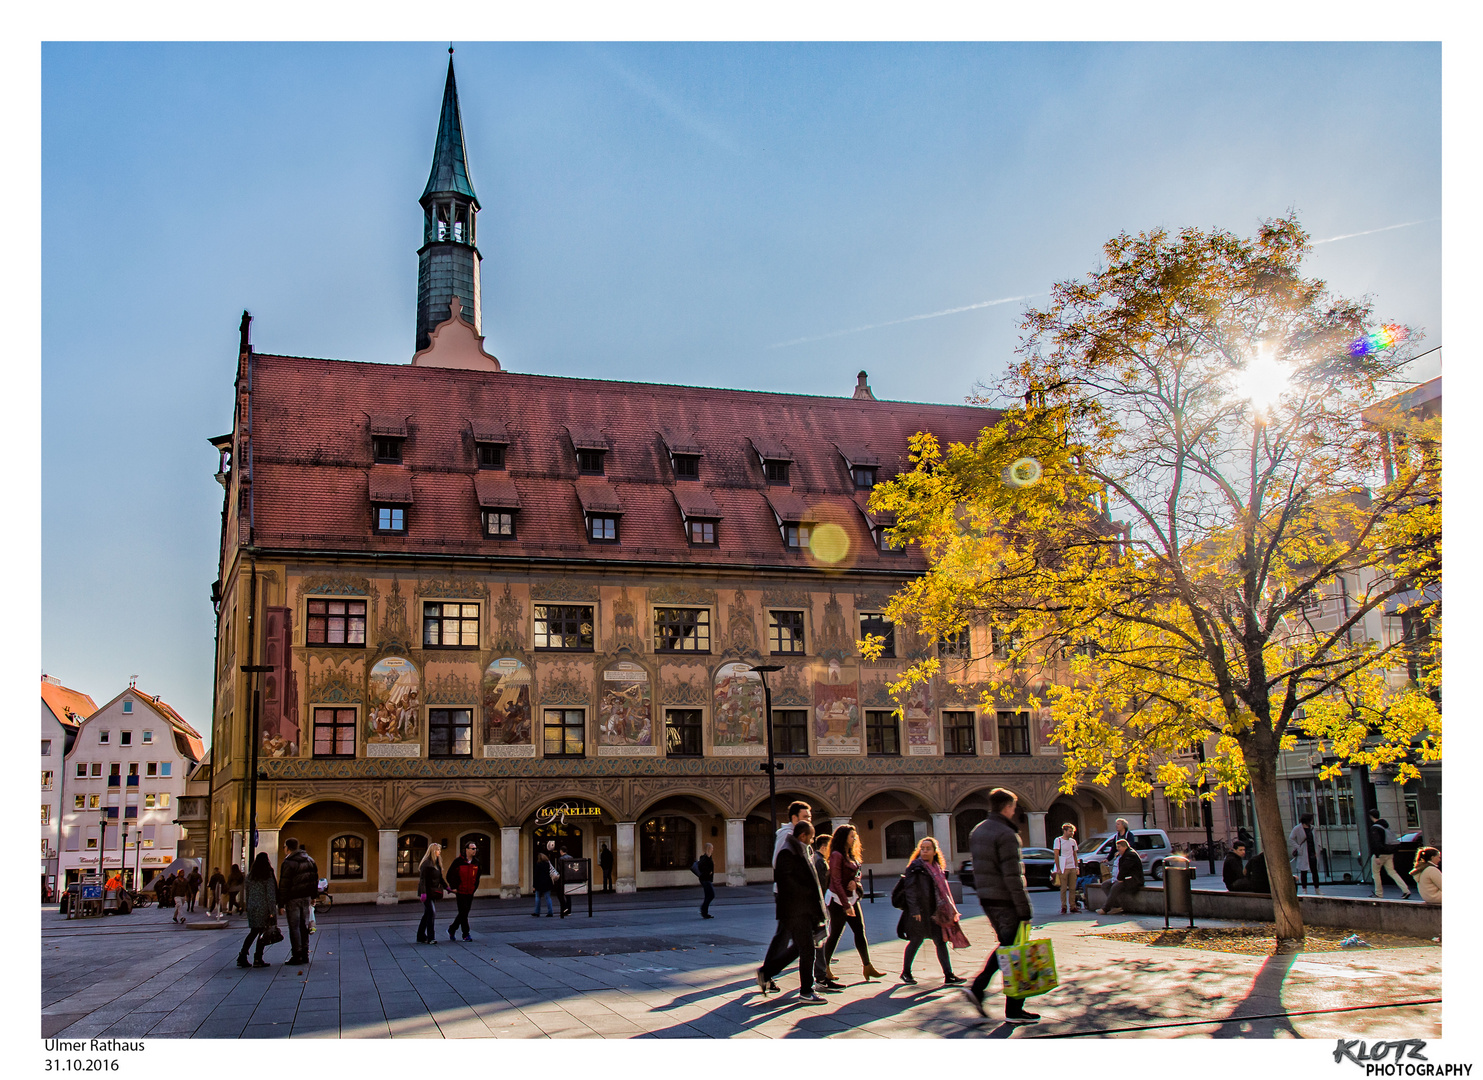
(671,835)
(890,824)
(1062,812)
(451,823)
(342,841)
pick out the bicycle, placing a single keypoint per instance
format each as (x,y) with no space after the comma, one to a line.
(323,902)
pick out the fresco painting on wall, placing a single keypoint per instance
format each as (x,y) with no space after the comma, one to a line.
(740,724)
(921,728)
(836,713)
(506,701)
(625,714)
(392,701)
(1045,728)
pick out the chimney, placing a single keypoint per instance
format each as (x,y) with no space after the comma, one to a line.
(862,388)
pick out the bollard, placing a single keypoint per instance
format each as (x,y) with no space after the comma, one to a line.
(870,876)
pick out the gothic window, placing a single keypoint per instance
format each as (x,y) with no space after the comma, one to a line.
(450,626)
(336,622)
(785,633)
(347,858)
(682,630)
(410,848)
(567,627)
(667,843)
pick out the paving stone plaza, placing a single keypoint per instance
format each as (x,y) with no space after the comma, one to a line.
(646,965)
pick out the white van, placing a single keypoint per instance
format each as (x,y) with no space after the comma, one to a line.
(1151,845)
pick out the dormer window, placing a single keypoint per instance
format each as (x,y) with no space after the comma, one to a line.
(776,471)
(499,524)
(491,456)
(864,476)
(589,462)
(389,519)
(796,535)
(387,449)
(702,533)
(687,466)
(602,528)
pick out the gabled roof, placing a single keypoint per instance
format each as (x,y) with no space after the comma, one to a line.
(312,461)
(70,707)
(187,740)
(450,172)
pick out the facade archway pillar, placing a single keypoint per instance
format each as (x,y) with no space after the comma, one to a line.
(1037,827)
(386,841)
(942,829)
(736,853)
(509,862)
(626,864)
(267,840)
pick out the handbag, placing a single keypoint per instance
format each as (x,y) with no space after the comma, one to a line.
(272,935)
(898,893)
(1029,967)
(555,874)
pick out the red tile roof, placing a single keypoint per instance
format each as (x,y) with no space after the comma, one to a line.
(187,739)
(70,707)
(312,470)
(390,484)
(496,491)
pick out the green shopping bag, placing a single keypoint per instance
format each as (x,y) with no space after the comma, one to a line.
(1029,967)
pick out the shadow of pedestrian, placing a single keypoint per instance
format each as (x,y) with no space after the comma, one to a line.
(1265,999)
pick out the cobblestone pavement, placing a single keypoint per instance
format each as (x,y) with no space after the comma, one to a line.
(647,966)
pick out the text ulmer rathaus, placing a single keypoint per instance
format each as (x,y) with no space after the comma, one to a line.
(482,594)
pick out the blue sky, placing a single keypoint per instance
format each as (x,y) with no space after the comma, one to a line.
(724,215)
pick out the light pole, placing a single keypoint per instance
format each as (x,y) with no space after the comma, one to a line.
(771,768)
(102,842)
(257,693)
(1207,812)
(138,842)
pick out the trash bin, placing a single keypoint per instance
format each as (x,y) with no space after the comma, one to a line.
(1179,878)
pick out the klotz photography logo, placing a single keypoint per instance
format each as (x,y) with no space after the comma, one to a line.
(1399,1057)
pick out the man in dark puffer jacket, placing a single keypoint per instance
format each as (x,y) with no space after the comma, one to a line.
(999,878)
(298,885)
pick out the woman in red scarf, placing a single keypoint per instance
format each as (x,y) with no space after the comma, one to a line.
(930,911)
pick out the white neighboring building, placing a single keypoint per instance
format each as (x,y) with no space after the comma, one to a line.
(62,711)
(127,766)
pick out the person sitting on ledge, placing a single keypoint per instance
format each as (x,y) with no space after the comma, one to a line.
(1233,870)
(1256,875)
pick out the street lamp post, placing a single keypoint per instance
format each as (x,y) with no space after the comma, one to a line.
(257,694)
(1206,810)
(771,768)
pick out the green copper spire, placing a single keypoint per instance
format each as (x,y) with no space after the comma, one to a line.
(450,174)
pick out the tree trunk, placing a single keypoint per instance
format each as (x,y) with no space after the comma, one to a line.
(1261,766)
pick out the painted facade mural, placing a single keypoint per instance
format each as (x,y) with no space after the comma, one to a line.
(740,727)
(625,713)
(505,696)
(1045,728)
(392,705)
(836,712)
(921,723)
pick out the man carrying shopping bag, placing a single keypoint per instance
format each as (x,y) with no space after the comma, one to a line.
(999,878)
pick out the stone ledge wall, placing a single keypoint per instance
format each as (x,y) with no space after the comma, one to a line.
(1345,912)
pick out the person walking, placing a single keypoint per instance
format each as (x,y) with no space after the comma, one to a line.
(563,860)
(298,882)
(1128,878)
(541,882)
(930,911)
(215,886)
(1428,875)
(999,880)
(843,900)
(194,880)
(235,881)
(463,878)
(182,895)
(705,869)
(605,862)
(1068,865)
(801,915)
(262,909)
(1302,851)
(818,856)
(430,886)
(164,889)
(1382,856)
(798,811)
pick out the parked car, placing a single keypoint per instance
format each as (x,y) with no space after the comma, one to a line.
(1151,845)
(1039,865)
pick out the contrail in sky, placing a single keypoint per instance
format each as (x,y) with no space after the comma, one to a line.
(1367,232)
(909,318)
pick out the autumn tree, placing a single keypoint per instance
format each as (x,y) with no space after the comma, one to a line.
(1188,470)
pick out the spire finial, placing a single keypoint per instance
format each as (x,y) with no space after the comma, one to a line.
(450,48)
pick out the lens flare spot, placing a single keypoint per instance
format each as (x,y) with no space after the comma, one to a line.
(1387,337)
(1022,473)
(829,543)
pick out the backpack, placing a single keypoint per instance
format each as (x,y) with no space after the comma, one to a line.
(898,893)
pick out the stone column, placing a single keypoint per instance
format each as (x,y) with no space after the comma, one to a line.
(267,840)
(625,864)
(239,850)
(386,866)
(736,852)
(942,829)
(509,862)
(1037,828)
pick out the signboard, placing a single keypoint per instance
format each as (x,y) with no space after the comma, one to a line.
(563,810)
(574,875)
(92,892)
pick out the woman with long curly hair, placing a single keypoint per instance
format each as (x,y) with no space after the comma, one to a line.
(430,886)
(930,911)
(844,898)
